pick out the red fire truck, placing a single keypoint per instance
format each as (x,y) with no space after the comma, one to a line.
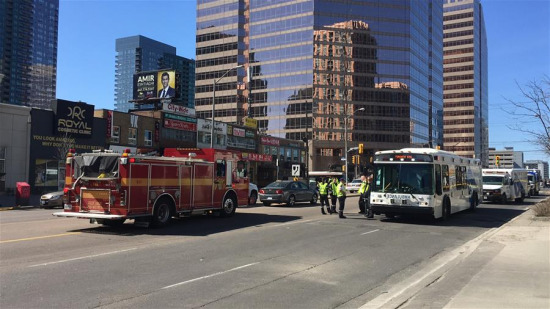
(109,188)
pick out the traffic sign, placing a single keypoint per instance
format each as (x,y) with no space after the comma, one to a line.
(295,169)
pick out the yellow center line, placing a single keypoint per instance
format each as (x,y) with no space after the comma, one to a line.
(39,237)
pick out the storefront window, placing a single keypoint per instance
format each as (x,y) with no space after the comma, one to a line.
(295,155)
(132,135)
(46,172)
(289,154)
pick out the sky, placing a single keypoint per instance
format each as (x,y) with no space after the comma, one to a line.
(518,37)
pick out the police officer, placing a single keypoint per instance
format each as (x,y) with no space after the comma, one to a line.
(362,190)
(369,213)
(323,193)
(341,194)
(333,195)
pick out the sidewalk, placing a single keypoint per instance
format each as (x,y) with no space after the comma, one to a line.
(8,201)
(509,269)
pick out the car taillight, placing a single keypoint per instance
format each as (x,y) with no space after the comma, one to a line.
(262,191)
(279,191)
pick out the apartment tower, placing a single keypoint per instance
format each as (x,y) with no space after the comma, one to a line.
(466,107)
(28,52)
(140,54)
(311,68)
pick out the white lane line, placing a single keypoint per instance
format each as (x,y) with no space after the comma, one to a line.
(209,276)
(370,232)
(295,222)
(83,257)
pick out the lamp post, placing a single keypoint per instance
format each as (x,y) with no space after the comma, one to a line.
(346,138)
(214,102)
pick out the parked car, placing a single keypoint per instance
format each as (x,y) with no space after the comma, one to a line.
(287,191)
(52,199)
(252,194)
(353,186)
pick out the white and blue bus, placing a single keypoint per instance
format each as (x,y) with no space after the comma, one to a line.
(424,181)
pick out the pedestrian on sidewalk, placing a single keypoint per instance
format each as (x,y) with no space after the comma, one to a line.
(341,194)
(323,193)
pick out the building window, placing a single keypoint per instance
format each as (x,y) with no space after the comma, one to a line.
(148,138)
(132,134)
(115,136)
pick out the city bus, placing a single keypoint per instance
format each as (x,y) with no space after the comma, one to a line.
(424,181)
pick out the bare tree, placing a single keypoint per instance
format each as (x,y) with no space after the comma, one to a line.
(62,145)
(535,112)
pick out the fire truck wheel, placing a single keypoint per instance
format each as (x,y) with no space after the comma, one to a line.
(162,213)
(229,206)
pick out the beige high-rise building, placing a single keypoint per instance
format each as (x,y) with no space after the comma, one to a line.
(466,107)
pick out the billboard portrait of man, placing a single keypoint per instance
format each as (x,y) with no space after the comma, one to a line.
(166,90)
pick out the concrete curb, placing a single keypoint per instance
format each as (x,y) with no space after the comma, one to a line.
(441,263)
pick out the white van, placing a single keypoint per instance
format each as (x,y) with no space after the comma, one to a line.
(504,184)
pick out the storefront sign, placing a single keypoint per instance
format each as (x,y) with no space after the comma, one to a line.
(269,141)
(250,134)
(256,157)
(109,123)
(74,118)
(180,125)
(204,125)
(180,118)
(239,132)
(178,109)
(251,123)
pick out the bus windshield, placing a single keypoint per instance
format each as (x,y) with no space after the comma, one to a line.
(404,178)
(493,180)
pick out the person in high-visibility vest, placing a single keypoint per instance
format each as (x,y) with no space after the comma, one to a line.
(362,190)
(341,194)
(333,197)
(368,209)
(323,193)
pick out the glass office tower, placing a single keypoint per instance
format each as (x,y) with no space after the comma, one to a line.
(135,54)
(465,80)
(317,66)
(28,52)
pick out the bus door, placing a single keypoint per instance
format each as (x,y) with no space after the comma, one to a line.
(438,185)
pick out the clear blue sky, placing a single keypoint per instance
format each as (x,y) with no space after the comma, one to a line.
(518,34)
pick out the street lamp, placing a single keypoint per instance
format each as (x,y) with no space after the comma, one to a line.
(346,138)
(214,102)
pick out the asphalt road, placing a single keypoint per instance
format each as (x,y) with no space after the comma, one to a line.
(263,257)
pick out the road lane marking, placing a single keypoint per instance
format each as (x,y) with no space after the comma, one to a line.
(209,276)
(370,232)
(295,222)
(39,237)
(83,257)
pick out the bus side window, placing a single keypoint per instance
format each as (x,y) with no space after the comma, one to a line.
(438,190)
(446,183)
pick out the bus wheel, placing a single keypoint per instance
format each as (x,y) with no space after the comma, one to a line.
(228,207)
(162,213)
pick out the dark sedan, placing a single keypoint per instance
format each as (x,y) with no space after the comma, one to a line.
(287,191)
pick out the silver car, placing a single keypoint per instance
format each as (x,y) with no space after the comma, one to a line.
(52,199)
(288,192)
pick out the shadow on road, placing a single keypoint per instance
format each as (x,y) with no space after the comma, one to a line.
(192,226)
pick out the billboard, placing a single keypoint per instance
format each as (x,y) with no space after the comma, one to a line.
(73,118)
(156,84)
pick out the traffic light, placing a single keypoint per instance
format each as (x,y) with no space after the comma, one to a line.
(361,147)
(358,160)
(353,159)
(497,160)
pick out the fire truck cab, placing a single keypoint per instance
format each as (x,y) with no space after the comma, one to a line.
(109,188)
